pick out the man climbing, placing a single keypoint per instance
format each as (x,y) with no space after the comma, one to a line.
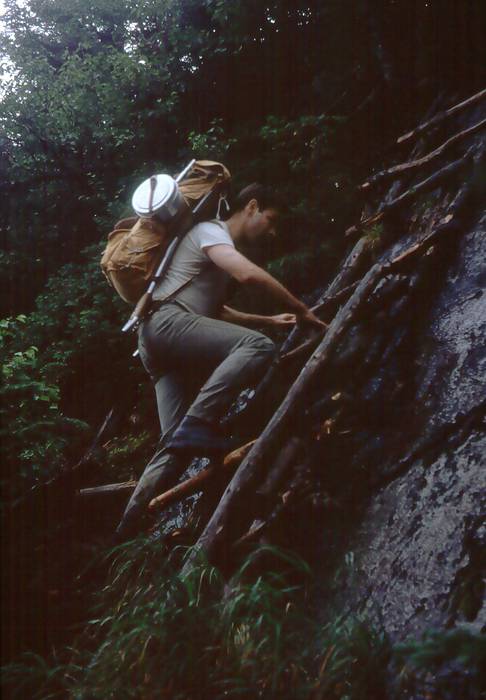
(197,350)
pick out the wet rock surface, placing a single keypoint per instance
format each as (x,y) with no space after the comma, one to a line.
(413,558)
(414,542)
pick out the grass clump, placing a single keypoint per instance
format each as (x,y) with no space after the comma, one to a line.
(158,634)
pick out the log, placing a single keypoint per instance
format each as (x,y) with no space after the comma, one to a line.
(325,302)
(311,343)
(334,299)
(441,116)
(124,487)
(419,162)
(235,457)
(274,479)
(340,284)
(407,256)
(302,349)
(351,267)
(261,525)
(450,223)
(415,152)
(295,490)
(183,490)
(197,482)
(280,467)
(429,183)
(107,428)
(248,470)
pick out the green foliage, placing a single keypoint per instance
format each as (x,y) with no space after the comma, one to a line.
(98,95)
(455,658)
(34,432)
(300,158)
(127,452)
(213,142)
(161,634)
(92,89)
(61,370)
(374,235)
(158,633)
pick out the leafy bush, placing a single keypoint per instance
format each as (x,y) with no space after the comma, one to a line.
(33,431)
(61,369)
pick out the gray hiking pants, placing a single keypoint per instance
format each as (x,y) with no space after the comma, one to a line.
(198,365)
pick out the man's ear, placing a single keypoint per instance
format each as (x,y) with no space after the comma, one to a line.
(252,206)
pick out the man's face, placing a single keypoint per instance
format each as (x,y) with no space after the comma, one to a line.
(261,223)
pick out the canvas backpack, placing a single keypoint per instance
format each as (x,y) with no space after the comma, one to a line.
(136,245)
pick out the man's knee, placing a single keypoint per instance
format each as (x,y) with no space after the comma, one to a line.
(264,347)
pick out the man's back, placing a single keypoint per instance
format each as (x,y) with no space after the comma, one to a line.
(206,288)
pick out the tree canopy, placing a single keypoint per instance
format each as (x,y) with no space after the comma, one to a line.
(98,94)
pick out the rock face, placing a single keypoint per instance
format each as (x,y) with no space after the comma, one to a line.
(417,545)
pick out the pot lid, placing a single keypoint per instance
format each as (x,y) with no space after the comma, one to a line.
(164,191)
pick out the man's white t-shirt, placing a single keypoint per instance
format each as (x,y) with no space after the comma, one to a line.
(207,291)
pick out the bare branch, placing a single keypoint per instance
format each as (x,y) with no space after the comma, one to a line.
(440,116)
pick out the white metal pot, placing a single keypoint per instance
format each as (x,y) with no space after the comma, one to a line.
(167,200)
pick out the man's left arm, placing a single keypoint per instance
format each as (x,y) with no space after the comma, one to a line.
(254,320)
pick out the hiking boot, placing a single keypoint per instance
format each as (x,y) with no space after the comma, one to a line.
(195,436)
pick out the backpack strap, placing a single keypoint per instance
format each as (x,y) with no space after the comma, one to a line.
(157,303)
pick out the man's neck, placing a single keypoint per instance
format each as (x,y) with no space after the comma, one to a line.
(235,226)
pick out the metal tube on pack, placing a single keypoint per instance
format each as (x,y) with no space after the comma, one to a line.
(199,204)
(159,270)
(184,172)
(130,324)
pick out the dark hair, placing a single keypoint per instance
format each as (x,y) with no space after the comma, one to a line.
(265,196)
